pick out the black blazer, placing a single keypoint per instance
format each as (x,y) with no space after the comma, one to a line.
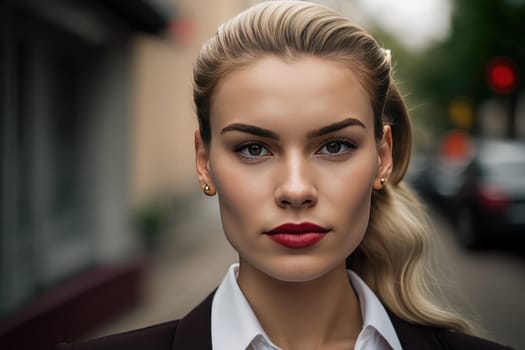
(193,332)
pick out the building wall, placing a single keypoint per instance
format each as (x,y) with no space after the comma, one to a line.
(64,167)
(163,115)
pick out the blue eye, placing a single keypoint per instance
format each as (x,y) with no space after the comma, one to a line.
(336,147)
(253,150)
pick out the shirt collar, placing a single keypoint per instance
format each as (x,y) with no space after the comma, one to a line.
(373,312)
(233,322)
(235,326)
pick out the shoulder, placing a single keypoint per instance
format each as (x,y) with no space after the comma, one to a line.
(456,340)
(415,336)
(192,332)
(159,337)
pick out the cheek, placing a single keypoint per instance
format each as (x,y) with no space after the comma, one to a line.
(349,191)
(352,181)
(241,190)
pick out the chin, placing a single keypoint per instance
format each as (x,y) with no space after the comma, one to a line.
(298,269)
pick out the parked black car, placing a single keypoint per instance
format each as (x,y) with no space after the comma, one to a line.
(481,188)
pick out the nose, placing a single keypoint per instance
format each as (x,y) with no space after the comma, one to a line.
(295,187)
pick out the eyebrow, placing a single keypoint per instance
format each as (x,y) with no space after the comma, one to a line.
(251,129)
(336,126)
(258,131)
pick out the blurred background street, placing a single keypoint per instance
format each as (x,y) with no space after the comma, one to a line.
(103,227)
(190,263)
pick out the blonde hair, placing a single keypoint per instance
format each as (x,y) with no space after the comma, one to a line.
(391,257)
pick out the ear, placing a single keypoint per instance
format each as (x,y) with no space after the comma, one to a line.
(384,158)
(202,162)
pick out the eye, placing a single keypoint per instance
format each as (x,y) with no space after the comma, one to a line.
(253,150)
(336,147)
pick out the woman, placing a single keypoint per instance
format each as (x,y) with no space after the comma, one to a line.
(304,137)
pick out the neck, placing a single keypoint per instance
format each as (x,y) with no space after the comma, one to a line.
(319,314)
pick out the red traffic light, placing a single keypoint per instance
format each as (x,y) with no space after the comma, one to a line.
(502,75)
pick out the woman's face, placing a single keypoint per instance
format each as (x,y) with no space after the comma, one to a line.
(294,160)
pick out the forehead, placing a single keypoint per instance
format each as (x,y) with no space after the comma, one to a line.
(308,88)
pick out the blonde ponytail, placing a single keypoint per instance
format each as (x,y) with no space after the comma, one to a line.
(393,259)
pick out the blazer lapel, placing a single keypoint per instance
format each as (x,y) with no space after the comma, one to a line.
(194,330)
(414,336)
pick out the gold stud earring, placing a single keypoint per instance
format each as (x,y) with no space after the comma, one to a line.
(208,190)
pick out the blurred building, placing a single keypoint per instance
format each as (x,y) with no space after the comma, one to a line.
(97,119)
(66,71)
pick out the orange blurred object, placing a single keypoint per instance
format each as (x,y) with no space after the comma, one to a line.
(457,145)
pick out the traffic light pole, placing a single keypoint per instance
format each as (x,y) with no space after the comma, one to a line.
(511,102)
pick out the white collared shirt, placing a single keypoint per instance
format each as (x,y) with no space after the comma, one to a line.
(235,327)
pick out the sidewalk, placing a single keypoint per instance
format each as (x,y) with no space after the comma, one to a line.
(190,263)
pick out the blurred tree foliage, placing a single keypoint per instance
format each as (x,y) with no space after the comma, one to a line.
(481,30)
(456,67)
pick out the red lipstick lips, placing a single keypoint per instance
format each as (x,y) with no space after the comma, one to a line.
(297,235)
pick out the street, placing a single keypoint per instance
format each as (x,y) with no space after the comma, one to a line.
(487,286)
